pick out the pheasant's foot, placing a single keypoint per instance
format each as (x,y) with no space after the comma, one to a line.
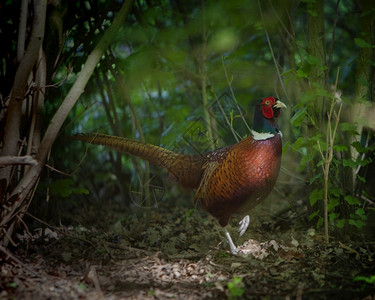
(244,223)
(233,248)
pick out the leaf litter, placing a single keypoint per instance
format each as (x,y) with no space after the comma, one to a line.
(181,253)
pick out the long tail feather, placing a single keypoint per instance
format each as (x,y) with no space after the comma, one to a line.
(180,166)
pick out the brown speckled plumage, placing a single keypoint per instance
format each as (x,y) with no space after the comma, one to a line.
(239,181)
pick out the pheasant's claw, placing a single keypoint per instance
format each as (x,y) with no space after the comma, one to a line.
(233,248)
(244,223)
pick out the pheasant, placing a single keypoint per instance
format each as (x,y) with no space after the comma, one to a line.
(228,180)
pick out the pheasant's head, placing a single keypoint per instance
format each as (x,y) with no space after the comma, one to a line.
(266,113)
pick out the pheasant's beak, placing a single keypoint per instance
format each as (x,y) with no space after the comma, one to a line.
(279,104)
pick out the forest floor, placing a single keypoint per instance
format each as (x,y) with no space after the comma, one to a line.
(181,253)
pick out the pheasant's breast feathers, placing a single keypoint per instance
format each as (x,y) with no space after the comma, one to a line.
(238,177)
(260,160)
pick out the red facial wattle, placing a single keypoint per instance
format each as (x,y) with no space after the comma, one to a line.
(267,105)
(267,112)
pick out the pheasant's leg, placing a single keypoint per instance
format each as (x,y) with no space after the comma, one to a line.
(244,223)
(233,248)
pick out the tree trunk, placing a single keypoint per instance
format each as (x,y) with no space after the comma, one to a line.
(316,48)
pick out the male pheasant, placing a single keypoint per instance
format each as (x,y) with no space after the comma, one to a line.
(228,180)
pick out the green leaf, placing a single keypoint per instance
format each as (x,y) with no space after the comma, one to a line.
(65,187)
(363,81)
(313,60)
(299,117)
(332,203)
(286,147)
(236,287)
(316,177)
(358,147)
(315,196)
(361,213)
(349,163)
(299,143)
(80,191)
(82,287)
(349,127)
(351,200)
(313,215)
(340,148)
(319,223)
(288,75)
(322,144)
(370,280)
(333,217)
(364,162)
(62,187)
(312,13)
(306,159)
(303,71)
(357,223)
(321,91)
(335,191)
(341,223)
(360,178)
(362,43)
(318,137)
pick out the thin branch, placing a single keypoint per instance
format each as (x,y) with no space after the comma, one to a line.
(8,235)
(20,85)
(272,53)
(62,232)
(17,160)
(104,100)
(22,30)
(320,150)
(14,258)
(57,171)
(234,97)
(280,20)
(234,132)
(22,190)
(45,223)
(76,91)
(327,158)
(111,102)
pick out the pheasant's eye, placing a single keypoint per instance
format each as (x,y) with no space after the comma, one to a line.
(267,102)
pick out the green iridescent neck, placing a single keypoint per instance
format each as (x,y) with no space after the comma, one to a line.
(262,124)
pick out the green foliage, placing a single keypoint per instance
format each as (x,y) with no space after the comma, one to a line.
(339,193)
(362,43)
(82,287)
(235,288)
(189,213)
(369,280)
(161,53)
(13,285)
(313,132)
(65,188)
(336,196)
(334,167)
(299,117)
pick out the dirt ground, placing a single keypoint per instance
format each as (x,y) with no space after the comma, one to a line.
(181,253)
